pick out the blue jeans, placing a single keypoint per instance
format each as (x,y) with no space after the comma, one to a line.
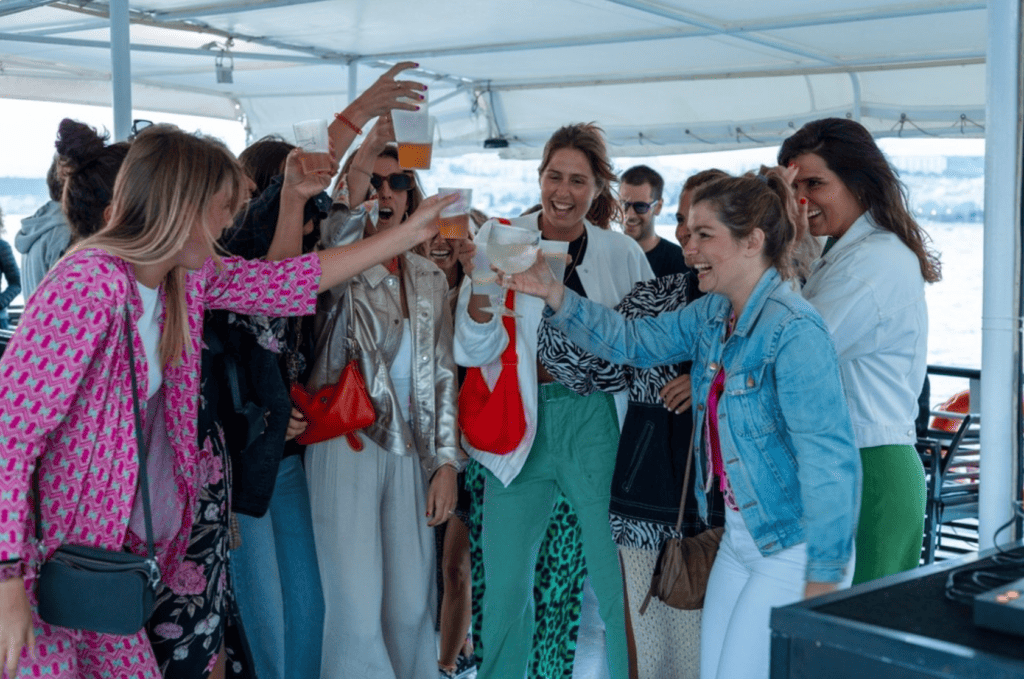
(277,581)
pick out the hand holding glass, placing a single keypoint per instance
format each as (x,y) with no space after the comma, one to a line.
(512,250)
(312,137)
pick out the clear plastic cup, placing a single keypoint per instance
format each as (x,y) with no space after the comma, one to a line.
(453,221)
(414,133)
(312,137)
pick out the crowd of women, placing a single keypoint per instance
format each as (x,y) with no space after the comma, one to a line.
(234,279)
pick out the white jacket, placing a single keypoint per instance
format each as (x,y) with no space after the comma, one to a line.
(870,291)
(612,264)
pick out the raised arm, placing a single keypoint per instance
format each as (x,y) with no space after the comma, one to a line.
(297,187)
(382,96)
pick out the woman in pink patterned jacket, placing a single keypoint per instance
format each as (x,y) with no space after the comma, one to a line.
(65,395)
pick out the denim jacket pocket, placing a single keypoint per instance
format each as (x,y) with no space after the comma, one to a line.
(749,401)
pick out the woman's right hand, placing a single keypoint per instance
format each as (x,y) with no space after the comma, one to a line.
(538,281)
(15,624)
(422,224)
(305,185)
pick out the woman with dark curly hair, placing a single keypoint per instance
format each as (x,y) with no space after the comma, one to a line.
(868,285)
(91,167)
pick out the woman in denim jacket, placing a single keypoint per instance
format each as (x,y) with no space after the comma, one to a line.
(771,423)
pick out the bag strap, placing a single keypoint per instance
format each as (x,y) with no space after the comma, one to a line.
(142,452)
(686,485)
(509,356)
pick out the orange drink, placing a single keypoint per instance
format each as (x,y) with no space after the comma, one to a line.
(414,156)
(455,226)
(316,162)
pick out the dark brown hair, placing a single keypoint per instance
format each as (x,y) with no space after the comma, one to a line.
(264,159)
(638,175)
(851,153)
(703,177)
(746,203)
(91,168)
(588,138)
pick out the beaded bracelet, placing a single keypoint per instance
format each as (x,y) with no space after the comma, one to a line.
(355,128)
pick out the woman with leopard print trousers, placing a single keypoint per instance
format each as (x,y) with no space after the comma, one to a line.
(570,440)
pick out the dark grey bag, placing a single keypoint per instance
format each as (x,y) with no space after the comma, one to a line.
(95,589)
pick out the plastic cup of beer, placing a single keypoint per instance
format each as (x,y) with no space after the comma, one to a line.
(414,132)
(454,219)
(312,137)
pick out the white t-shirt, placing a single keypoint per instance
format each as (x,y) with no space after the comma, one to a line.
(148,328)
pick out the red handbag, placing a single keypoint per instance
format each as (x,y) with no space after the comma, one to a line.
(494,420)
(336,409)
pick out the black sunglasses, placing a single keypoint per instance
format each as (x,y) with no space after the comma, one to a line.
(639,207)
(398,181)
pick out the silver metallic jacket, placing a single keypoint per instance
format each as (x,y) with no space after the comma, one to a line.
(374,306)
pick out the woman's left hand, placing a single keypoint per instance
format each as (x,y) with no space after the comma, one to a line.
(442,495)
(813,589)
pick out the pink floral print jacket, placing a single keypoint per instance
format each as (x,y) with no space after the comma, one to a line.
(66,402)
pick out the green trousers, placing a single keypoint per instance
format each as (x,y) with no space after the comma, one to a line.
(891,528)
(574,451)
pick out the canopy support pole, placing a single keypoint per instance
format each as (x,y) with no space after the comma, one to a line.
(353,80)
(121,68)
(1001,304)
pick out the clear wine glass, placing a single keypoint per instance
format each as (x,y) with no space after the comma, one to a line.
(512,250)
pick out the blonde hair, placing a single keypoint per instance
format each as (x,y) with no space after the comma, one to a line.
(162,191)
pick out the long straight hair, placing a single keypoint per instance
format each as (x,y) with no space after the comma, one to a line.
(162,191)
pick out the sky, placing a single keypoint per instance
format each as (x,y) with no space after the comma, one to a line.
(30,127)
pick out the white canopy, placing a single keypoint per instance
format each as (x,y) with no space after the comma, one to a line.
(660,76)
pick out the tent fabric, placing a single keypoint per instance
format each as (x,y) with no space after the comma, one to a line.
(660,76)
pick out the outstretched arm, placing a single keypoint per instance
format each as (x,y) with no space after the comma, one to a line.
(341,263)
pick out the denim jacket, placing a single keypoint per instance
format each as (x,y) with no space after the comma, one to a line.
(785,432)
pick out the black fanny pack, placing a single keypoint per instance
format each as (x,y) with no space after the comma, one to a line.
(96,589)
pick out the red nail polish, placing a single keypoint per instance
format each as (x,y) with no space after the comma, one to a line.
(803,201)
(417,108)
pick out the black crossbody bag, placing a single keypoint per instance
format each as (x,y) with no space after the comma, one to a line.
(95,589)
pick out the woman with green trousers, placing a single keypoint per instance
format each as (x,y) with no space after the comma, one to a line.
(868,285)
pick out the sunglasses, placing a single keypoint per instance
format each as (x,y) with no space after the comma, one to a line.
(398,181)
(639,207)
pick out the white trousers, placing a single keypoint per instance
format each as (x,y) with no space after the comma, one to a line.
(376,556)
(744,586)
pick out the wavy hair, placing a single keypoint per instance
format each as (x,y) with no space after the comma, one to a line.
(849,151)
(588,138)
(162,191)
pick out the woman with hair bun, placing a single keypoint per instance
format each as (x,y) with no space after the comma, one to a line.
(90,170)
(570,441)
(868,285)
(771,426)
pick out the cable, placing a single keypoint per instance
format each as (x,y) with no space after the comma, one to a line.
(1003,567)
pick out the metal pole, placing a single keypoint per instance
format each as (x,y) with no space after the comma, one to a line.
(353,80)
(121,68)
(1000,327)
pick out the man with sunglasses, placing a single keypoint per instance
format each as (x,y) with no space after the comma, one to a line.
(640,189)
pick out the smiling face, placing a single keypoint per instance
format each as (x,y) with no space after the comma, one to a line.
(441,251)
(723,264)
(567,189)
(638,227)
(393,204)
(831,207)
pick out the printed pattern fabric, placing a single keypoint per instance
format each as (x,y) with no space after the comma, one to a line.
(585,373)
(557,589)
(195,614)
(66,400)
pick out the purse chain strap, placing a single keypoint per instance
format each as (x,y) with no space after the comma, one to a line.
(142,452)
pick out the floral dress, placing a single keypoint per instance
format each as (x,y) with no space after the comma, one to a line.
(195,614)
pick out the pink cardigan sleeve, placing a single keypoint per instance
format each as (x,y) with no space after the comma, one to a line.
(46,369)
(285,288)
